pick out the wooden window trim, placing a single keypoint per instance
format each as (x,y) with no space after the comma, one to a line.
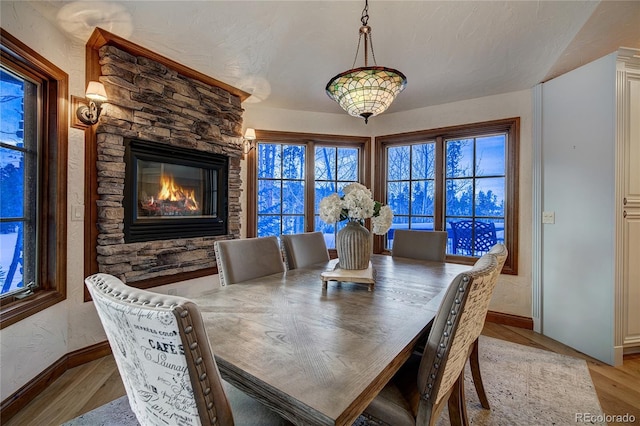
(52,242)
(509,125)
(310,140)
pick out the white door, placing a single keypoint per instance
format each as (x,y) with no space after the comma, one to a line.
(578,187)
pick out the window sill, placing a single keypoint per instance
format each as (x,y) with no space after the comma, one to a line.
(18,310)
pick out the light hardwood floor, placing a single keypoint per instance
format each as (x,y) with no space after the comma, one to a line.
(91,385)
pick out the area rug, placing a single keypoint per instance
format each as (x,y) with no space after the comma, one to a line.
(529,386)
(525,386)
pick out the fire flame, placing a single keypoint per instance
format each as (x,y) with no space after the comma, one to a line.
(170,191)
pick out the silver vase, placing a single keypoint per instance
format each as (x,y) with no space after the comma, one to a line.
(353,244)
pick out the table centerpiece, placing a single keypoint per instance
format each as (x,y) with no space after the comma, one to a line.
(353,242)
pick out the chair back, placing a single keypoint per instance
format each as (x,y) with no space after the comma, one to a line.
(424,245)
(247,258)
(456,326)
(163,354)
(473,237)
(305,249)
(500,252)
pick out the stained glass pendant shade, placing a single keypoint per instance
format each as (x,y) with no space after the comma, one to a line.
(366,91)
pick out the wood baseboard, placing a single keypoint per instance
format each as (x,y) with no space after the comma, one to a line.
(20,398)
(509,319)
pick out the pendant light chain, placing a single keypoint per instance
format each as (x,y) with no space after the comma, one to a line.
(357,51)
(373,53)
(365,14)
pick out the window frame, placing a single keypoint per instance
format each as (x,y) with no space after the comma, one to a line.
(52,185)
(310,140)
(511,126)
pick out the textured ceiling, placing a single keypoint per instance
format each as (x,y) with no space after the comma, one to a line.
(284,52)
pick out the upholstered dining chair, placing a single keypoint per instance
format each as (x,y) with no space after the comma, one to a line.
(304,249)
(424,245)
(415,396)
(161,348)
(500,252)
(247,258)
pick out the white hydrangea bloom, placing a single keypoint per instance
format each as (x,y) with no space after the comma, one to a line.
(382,222)
(330,208)
(356,204)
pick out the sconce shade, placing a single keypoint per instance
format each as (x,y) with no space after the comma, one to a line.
(249,140)
(96,92)
(250,134)
(96,95)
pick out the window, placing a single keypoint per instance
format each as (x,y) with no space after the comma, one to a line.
(410,186)
(463,180)
(33,161)
(293,172)
(335,167)
(281,194)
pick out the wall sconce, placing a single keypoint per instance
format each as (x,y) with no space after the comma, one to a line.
(96,96)
(249,140)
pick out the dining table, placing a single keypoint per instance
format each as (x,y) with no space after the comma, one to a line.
(316,355)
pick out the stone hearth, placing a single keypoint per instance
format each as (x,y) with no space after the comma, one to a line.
(151,102)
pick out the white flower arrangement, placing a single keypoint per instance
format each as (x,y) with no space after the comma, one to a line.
(357,204)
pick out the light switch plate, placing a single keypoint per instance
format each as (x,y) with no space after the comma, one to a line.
(77,212)
(548,217)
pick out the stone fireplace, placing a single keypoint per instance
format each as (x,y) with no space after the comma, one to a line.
(160,124)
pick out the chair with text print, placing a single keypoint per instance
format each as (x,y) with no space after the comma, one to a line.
(416,395)
(500,252)
(165,360)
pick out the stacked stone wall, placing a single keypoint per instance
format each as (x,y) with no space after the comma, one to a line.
(151,102)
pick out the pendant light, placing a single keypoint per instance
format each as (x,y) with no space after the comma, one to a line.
(366,91)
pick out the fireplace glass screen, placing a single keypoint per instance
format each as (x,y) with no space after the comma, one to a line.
(173,191)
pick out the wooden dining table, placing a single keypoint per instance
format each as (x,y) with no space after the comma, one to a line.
(319,356)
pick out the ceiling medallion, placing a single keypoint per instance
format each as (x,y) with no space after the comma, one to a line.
(366,91)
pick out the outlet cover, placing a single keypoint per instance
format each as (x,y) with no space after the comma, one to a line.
(548,217)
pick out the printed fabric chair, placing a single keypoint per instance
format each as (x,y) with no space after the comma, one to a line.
(305,249)
(472,238)
(500,252)
(415,396)
(424,245)
(247,258)
(161,348)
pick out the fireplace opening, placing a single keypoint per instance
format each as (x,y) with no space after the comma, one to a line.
(170,190)
(173,192)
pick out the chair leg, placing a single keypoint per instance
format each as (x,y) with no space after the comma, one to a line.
(474,363)
(457,405)
(463,401)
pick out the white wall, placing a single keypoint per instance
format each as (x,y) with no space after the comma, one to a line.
(30,346)
(257,117)
(578,184)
